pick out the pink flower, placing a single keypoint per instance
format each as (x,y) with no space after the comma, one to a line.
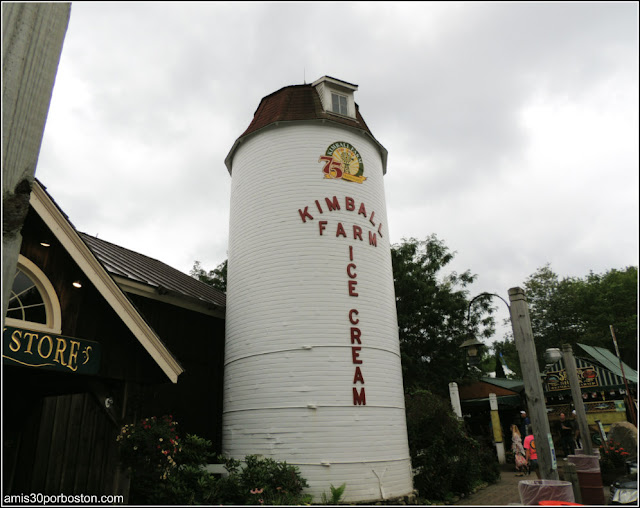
(261,501)
(257,491)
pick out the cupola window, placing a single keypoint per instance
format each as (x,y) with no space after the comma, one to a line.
(336,96)
(339,104)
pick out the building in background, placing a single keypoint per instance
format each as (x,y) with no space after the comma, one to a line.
(97,336)
(603,389)
(312,360)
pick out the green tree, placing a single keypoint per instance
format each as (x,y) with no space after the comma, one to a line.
(445,459)
(509,353)
(432,314)
(216,277)
(575,310)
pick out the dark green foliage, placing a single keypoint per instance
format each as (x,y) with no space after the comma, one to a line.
(168,470)
(264,481)
(181,482)
(580,310)
(510,356)
(432,314)
(216,277)
(336,495)
(445,458)
(499,369)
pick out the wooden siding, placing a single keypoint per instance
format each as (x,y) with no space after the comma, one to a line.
(197,341)
(66,445)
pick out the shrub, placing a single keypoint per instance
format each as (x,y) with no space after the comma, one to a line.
(612,456)
(336,495)
(445,459)
(266,481)
(167,470)
(150,445)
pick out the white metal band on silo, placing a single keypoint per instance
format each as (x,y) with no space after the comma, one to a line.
(301,385)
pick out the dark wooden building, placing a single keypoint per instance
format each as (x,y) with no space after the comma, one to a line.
(97,336)
(476,411)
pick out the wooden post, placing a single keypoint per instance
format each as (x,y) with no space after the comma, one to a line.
(32,37)
(628,397)
(523,335)
(454,394)
(571,475)
(576,394)
(497,428)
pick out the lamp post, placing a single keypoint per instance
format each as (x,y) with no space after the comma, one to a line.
(473,348)
(523,336)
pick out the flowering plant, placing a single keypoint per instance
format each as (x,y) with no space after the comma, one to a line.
(612,456)
(150,445)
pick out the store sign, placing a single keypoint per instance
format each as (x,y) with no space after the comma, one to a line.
(558,380)
(50,352)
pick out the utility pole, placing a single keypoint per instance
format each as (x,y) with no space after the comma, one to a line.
(576,393)
(523,335)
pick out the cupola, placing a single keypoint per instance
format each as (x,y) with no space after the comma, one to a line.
(336,96)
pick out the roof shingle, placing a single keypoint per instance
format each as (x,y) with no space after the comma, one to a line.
(299,103)
(143,269)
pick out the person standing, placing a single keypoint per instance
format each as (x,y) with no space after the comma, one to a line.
(567,432)
(531,454)
(577,434)
(525,423)
(518,451)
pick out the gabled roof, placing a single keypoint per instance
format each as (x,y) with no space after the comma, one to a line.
(610,361)
(141,274)
(299,103)
(516,385)
(95,272)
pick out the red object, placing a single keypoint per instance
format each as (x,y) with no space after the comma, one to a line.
(558,503)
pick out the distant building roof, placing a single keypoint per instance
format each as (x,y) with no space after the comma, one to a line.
(516,385)
(142,269)
(610,361)
(298,103)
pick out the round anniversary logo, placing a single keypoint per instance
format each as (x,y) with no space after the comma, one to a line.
(342,160)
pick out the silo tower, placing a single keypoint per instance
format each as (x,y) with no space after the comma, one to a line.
(312,359)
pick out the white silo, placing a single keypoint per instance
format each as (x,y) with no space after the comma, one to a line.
(312,359)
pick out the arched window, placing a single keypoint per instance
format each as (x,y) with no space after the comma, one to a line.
(33,303)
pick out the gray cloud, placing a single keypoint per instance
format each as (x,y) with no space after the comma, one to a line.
(511,127)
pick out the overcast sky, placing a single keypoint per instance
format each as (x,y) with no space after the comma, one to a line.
(512,128)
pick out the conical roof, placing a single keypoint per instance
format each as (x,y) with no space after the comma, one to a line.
(299,103)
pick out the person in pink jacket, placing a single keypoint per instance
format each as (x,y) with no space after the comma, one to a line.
(531,454)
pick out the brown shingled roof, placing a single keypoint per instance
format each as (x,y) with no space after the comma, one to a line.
(298,103)
(140,268)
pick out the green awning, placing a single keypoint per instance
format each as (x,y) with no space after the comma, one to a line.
(505,400)
(610,361)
